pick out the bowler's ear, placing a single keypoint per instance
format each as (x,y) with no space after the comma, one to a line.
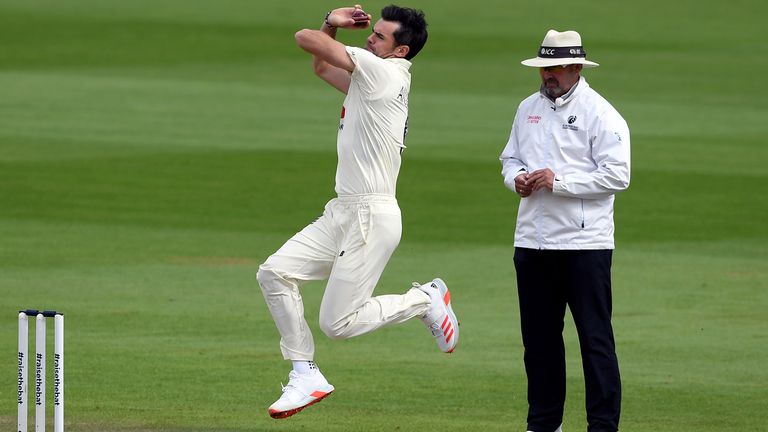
(401,51)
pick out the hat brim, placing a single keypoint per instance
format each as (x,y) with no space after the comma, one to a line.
(539,62)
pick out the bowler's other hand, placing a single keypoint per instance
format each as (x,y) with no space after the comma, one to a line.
(541,179)
(521,186)
(350,18)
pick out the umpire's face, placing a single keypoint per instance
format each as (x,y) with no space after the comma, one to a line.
(557,80)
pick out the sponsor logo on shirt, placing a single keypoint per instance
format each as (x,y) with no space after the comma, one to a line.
(402,97)
(534,119)
(343,112)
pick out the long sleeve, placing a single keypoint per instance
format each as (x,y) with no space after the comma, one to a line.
(611,154)
(512,164)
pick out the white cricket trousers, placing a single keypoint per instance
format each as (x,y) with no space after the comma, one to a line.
(349,245)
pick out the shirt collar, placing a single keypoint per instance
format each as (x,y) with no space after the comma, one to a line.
(400,61)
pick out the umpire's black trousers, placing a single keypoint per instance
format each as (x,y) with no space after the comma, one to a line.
(547,281)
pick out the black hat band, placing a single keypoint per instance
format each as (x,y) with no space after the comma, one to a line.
(562,52)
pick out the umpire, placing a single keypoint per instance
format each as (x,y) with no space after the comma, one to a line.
(567,155)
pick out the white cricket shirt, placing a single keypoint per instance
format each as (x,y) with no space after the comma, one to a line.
(373,125)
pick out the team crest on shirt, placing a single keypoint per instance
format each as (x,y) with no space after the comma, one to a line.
(570,125)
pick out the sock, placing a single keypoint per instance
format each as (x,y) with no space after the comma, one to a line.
(304,366)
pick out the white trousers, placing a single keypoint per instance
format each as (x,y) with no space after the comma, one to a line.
(349,245)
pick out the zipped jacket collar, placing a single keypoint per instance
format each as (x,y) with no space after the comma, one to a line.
(569,96)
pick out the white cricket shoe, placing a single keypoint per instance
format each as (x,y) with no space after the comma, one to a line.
(302,391)
(440,319)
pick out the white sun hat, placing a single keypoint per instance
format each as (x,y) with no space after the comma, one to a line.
(560,48)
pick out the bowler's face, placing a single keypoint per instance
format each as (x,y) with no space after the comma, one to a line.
(557,80)
(382,40)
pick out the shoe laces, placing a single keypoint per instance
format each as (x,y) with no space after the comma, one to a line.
(436,330)
(293,376)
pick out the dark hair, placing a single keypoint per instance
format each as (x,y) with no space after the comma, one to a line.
(413,27)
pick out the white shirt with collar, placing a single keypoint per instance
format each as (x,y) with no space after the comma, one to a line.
(373,125)
(585,142)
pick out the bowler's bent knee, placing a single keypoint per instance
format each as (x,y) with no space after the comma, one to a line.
(267,276)
(335,328)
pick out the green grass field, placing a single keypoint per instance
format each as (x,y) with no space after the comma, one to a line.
(152,154)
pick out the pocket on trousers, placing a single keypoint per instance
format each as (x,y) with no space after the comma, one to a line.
(364,220)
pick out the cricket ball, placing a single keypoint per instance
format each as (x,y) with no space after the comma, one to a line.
(360,17)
